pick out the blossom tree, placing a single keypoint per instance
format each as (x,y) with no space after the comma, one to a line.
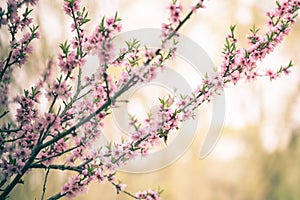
(62,137)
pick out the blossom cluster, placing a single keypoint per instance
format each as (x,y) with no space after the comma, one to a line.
(148,195)
(77,106)
(19,26)
(239,63)
(175,10)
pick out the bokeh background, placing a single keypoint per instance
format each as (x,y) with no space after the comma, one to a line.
(258,154)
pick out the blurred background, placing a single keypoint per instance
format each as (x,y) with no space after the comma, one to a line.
(258,154)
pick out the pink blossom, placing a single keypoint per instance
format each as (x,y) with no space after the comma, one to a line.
(68,62)
(148,195)
(99,176)
(69,6)
(74,187)
(286,71)
(271,74)
(59,89)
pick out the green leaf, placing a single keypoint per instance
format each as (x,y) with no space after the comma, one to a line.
(278,4)
(27,12)
(65,47)
(232,29)
(90,169)
(102,27)
(85,20)
(161,101)
(26,93)
(116,18)
(254,30)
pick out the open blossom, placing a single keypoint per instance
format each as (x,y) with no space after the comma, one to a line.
(175,11)
(59,89)
(251,75)
(174,18)
(26,113)
(68,62)
(271,74)
(198,5)
(100,42)
(286,71)
(122,187)
(48,121)
(148,195)
(22,48)
(74,187)
(70,5)
(112,25)
(235,77)
(106,53)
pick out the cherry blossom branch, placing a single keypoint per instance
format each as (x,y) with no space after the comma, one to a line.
(107,104)
(12,33)
(201,93)
(88,118)
(186,18)
(56,155)
(44,136)
(119,188)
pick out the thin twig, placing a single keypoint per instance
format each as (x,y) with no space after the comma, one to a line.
(56,196)
(56,155)
(45,182)
(3,114)
(124,191)
(10,131)
(57,167)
